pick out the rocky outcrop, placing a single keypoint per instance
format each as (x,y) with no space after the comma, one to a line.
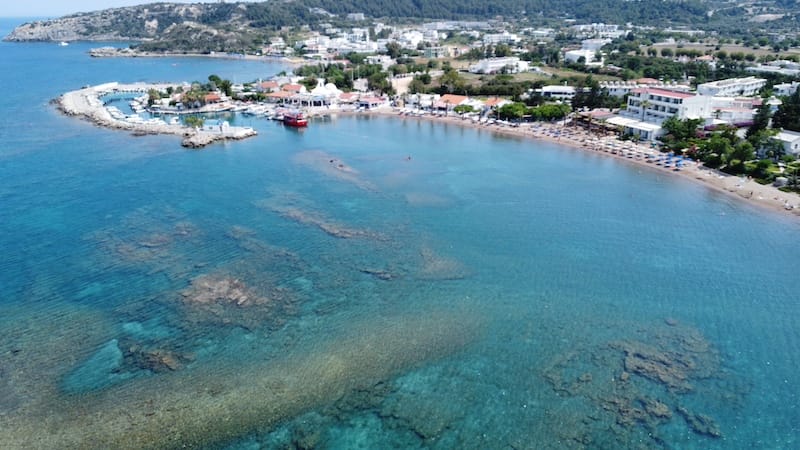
(164,27)
(133,23)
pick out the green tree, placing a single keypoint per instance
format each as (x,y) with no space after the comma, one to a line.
(765,143)
(502,50)
(194,121)
(416,86)
(226,87)
(214,82)
(512,111)
(153,96)
(760,120)
(399,69)
(379,82)
(452,82)
(393,49)
(788,114)
(680,134)
(742,152)
(714,151)
(309,82)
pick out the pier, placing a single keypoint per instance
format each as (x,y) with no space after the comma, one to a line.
(87,103)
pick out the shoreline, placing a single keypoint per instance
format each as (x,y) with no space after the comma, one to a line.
(121,52)
(86,103)
(739,188)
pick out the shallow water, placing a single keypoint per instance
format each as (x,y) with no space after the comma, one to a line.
(489,292)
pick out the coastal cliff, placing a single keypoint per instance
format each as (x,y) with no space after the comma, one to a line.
(132,23)
(161,27)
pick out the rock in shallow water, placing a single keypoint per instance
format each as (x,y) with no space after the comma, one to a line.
(101,370)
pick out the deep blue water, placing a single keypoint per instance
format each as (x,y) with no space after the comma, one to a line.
(485,294)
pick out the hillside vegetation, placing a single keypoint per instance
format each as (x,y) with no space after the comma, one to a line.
(244,26)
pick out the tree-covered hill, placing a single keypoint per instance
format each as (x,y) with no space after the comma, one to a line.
(609,11)
(241,26)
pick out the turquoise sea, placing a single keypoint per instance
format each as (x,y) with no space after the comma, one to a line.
(319,289)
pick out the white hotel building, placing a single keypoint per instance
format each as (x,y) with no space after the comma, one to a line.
(495,65)
(732,87)
(648,108)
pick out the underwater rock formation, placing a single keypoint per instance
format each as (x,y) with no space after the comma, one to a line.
(224,299)
(700,423)
(669,369)
(623,379)
(332,228)
(295,207)
(203,407)
(435,266)
(333,167)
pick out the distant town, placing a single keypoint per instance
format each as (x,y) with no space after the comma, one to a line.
(733,105)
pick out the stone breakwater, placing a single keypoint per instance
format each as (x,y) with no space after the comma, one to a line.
(87,103)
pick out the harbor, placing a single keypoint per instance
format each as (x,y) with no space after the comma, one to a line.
(88,103)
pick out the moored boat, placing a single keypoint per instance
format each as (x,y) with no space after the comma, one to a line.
(295,119)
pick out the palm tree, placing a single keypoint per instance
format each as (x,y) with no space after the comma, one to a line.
(644,105)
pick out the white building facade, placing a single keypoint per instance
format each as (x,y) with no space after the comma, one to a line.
(732,87)
(495,65)
(648,108)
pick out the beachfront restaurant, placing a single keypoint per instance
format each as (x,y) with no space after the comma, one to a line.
(645,131)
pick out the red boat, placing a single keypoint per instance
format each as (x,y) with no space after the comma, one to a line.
(295,119)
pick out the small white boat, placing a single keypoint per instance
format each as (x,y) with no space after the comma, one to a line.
(63,44)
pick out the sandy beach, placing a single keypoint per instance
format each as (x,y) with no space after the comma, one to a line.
(641,155)
(86,103)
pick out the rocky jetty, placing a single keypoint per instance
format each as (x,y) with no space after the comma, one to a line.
(86,103)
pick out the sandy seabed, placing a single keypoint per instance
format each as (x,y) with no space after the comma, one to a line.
(742,188)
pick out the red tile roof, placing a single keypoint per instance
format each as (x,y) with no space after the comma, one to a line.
(280,94)
(292,87)
(452,99)
(494,101)
(664,92)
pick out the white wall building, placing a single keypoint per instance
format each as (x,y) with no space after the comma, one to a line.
(782,67)
(785,89)
(589,51)
(574,56)
(382,60)
(557,92)
(601,30)
(623,88)
(594,44)
(656,105)
(500,38)
(495,65)
(410,39)
(790,141)
(732,87)
(649,107)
